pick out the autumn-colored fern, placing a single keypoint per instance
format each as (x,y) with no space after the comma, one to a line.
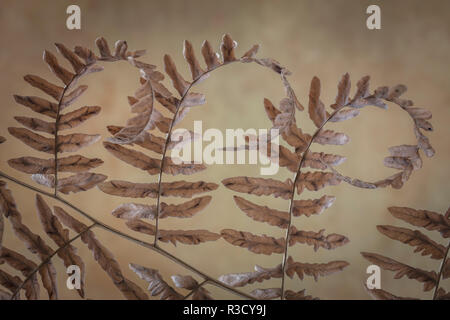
(425,219)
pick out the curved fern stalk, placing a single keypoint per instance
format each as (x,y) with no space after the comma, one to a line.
(52,224)
(404,157)
(429,220)
(45,171)
(139,130)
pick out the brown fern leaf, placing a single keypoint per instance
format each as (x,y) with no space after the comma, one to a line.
(184,236)
(33,242)
(141,211)
(259,186)
(157,285)
(416,239)
(102,255)
(73,164)
(259,275)
(26,267)
(311,207)
(314,181)
(313,269)
(266,294)
(64,97)
(428,278)
(380,294)
(263,213)
(256,244)
(300,295)
(421,218)
(60,236)
(317,111)
(183,189)
(11,283)
(316,239)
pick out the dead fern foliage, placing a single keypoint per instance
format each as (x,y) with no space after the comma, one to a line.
(156,110)
(297,156)
(422,244)
(46,136)
(52,222)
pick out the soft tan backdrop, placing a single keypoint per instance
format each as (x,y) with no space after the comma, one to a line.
(322,38)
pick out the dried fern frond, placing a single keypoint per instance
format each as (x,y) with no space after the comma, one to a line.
(422,243)
(142,129)
(298,155)
(45,171)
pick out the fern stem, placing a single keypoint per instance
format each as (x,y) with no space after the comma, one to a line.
(291,200)
(441,270)
(169,133)
(195,289)
(131,238)
(47,260)
(58,116)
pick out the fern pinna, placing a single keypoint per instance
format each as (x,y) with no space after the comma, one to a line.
(428,220)
(295,158)
(144,129)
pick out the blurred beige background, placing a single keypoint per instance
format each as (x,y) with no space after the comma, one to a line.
(322,38)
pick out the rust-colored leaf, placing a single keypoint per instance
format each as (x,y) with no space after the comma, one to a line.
(314,181)
(263,213)
(140,211)
(428,278)
(416,239)
(194,65)
(210,56)
(76,183)
(259,275)
(62,73)
(266,294)
(423,218)
(316,239)
(310,207)
(73,59)
(60,236)
(331,137)
(316,108)
(182,189)
(300,295)
(343,93)
(26,267)
(259,186)
(103,256)
(313,269)
(257,244)
(49,88)
(380,294)
(191,237)
(38,105)
(47,166)
(157,285)
(178,81)
(227,47)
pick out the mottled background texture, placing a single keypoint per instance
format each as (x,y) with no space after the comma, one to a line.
(312,38)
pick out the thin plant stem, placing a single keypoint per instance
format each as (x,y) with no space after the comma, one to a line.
(291,199)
